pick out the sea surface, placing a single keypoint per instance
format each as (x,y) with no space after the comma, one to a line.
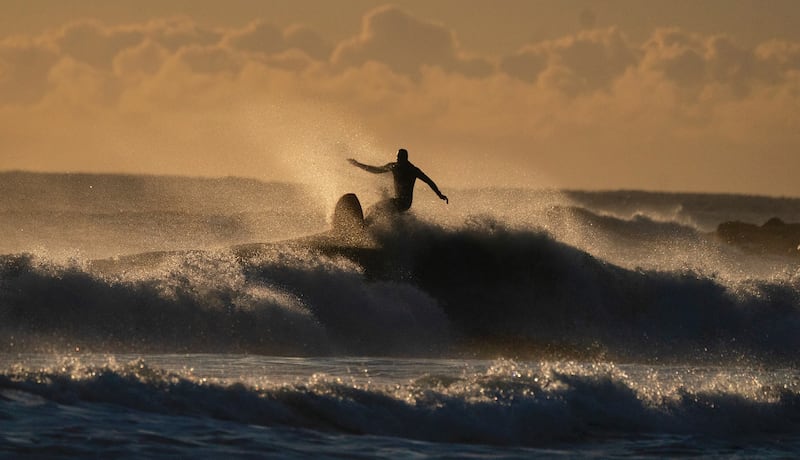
(151,316)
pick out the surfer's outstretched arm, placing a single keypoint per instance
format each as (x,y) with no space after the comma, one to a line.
(368,168)
(433,186)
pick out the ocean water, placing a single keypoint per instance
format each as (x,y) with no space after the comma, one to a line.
(173,317)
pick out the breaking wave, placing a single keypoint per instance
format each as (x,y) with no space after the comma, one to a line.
(427,290)
(506,404)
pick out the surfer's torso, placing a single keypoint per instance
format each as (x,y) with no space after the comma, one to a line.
(405,175)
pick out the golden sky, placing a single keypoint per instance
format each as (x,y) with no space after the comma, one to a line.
(658,95)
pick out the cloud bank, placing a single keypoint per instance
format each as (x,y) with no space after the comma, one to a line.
(679,111)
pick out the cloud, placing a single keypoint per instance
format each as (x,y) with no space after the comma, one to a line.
(586,62)
(293,60)
(405,44)
(783,55)
(143,59)
(95,44)
(24,69)
(308,40)
(594,60)
(265,38)
(728,62)
(258,36)
(209,59)
(76,85)
(526,64)
(175,33)
(698,64)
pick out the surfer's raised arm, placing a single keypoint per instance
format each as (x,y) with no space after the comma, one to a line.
(421,175)
(369,168)
(405,174)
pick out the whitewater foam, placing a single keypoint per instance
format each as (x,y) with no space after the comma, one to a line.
(503,403)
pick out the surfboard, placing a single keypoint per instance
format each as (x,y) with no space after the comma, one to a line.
(348,216)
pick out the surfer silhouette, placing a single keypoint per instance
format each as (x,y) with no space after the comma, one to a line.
(405,174)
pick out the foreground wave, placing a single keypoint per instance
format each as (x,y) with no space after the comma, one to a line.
(501,403)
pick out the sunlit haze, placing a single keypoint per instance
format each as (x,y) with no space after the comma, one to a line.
(656,95)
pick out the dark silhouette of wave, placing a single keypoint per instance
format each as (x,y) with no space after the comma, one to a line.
(426,290)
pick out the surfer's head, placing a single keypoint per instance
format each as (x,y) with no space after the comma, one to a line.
(402,155)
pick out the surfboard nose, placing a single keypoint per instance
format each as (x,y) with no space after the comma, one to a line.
(348,216)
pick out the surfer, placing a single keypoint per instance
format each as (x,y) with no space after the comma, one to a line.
(405,174)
